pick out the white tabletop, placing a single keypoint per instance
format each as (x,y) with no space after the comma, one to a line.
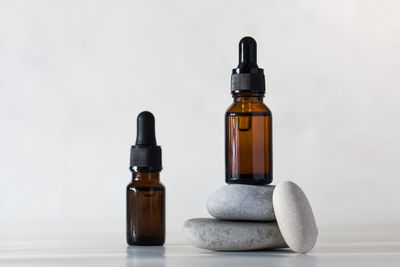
(100,251)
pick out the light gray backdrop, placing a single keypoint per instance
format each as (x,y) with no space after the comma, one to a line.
(74,75)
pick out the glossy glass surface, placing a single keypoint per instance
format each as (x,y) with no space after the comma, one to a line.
(145,210)
(248,140)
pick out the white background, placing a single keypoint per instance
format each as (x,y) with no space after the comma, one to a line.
(74,75)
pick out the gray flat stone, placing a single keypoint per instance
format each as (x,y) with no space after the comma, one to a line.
(242,202)
(213,234)
(295,217)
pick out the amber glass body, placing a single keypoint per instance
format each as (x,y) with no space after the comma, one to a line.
(248,140)
(145,210)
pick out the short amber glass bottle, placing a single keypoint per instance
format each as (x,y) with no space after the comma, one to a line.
(146,209)
(248,122)
(145,196)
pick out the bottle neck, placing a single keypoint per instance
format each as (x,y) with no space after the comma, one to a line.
(146,176)
(247,96)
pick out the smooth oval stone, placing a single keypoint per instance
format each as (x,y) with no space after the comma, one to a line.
(295,217)
(242,202)
(213,234)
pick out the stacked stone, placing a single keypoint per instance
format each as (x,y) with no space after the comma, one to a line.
(248,217)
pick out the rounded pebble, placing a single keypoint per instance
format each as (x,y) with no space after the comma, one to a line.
(242,202)
(295,217)
(213,234)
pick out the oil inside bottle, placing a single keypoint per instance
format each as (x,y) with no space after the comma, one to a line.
(249,155)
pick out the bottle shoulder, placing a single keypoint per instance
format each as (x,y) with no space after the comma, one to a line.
(145,184)
(248,107)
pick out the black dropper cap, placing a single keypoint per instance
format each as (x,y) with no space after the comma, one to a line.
(248,77)
(145,154)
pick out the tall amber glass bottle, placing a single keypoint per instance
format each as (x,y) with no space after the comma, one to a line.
(145,200)
(248,122)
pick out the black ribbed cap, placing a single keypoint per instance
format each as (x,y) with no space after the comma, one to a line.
(145,154)
(248,77)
